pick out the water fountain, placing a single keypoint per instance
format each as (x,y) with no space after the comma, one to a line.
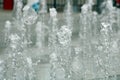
(118,16)
(108,39)
(17,9)
(17,65)
(53,44)
(2,70)
(41,26)
(7,31)
(86,71)
(96,57)
(61,43)
(68,14)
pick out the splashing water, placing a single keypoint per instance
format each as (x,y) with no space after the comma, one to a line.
(96,55)
(8,26)
(29,15)
(18,9)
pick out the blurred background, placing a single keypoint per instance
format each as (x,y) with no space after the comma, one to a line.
(58,4)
